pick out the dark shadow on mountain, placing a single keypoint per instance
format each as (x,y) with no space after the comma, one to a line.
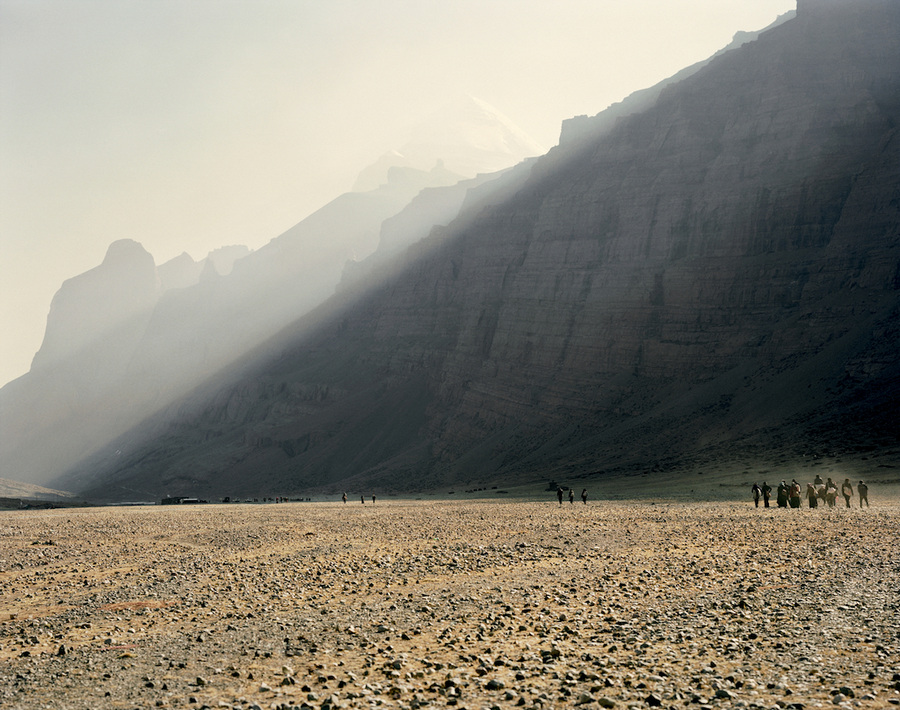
(715,279)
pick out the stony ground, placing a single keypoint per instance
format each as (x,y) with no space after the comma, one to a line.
(463,604)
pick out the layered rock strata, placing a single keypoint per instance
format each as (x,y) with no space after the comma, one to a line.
(716,277)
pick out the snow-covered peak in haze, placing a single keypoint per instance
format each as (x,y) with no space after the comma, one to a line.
(468,136)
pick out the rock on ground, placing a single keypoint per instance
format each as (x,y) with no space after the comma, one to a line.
(476,604)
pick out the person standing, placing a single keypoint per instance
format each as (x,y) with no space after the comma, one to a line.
(757,492)
(863,491)
(344,497)
(847,491)
(812,496)
(362,499)
(782,498)
(767,493)
(795,493)
(571,497)
(559,494)
(584,495)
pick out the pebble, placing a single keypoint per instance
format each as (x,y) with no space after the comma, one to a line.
(466,604)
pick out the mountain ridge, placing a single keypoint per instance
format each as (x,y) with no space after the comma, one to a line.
(715,279)
(128,337)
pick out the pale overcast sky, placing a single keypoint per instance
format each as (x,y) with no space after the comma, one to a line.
(191,124)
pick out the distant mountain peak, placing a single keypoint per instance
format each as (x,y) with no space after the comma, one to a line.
(123,251)
(90,305)
(469,122)
(468,136)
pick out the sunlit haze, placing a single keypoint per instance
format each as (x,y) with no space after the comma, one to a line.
(187,126)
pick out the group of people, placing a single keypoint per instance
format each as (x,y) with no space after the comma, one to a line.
(559,495)
(791,494)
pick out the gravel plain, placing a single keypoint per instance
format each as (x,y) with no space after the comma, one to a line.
(466,604)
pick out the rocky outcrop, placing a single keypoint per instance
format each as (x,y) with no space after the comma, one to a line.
(715,279)
(184,272)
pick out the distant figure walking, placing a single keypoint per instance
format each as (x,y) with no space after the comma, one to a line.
(847,491)
(571,497)
(344,497)
(584,495)
(782,498)
(812,496)
(362,499)
(795,493)
(863,491)
(757,492)
(767,493)
(373,500)
(559,494)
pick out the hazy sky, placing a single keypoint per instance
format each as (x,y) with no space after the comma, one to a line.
(191,124)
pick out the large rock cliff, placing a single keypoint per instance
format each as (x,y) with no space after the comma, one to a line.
(717,277)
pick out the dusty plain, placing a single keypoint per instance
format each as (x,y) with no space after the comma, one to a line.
(459,603)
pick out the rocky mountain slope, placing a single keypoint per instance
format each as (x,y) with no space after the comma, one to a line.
(127,338)
(716,279)
(587,128)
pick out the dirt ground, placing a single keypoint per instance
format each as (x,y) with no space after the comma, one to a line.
(467,604)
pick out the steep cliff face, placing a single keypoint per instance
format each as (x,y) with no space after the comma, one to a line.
(745,226)
(718,276)
(89,307)
(96,321)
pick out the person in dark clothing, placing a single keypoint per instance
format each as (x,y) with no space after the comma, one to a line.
(847,491)
(757,492)
(571,497)
(584,495)
(767,493)
(782,497)
(559,494)
(794,493)
(863,491)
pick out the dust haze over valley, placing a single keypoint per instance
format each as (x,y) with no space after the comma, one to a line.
(702,278)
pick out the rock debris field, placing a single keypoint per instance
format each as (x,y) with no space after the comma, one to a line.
(465,604)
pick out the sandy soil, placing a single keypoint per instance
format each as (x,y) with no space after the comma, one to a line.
(468,604)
